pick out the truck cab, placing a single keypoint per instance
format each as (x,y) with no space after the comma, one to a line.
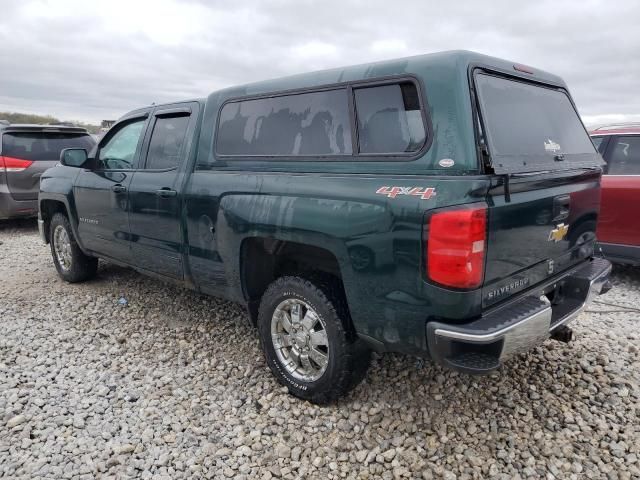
(433,206)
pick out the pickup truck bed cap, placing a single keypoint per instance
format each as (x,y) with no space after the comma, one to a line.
(433,62)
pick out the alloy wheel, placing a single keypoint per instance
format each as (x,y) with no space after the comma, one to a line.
(300,340)
(62,247)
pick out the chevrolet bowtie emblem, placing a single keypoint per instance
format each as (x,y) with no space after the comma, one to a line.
(558,233)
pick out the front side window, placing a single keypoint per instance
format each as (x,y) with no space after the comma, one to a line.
(389,119)
(624,158)
(119,151)
(315,123)
(167,140)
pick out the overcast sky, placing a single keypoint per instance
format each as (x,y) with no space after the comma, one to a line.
(93,59)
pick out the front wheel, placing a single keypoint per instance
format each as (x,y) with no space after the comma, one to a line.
(70,262)
(306,341)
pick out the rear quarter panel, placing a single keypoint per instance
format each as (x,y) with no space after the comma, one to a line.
(389,299)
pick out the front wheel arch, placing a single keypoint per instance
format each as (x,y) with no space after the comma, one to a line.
(70,261)
(48,208)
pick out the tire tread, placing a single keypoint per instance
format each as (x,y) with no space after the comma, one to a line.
(353,365)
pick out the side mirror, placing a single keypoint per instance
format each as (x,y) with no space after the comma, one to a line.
(73,157)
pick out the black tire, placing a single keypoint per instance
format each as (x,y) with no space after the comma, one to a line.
(585,228)
(82,267)
(348,357)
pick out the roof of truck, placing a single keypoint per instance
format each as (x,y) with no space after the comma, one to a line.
(453,59)
(445,61)
(444,78)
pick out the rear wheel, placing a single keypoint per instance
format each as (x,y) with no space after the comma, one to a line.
(70,262)
(306,342)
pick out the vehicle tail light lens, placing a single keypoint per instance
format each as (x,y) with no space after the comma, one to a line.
(10,164)
(456,246)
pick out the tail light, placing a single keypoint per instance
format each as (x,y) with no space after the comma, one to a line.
(456,246)
(10,164)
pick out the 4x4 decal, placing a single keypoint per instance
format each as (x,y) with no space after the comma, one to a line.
(393,192)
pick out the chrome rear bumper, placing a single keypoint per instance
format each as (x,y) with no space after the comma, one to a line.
(480,346)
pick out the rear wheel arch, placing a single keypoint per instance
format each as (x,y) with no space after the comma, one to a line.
(263,260)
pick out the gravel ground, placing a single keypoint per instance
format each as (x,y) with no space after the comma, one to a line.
(174,386)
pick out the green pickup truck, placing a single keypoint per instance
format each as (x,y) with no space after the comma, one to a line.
(441,205)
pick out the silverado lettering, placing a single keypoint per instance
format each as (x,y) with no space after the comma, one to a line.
(507,288)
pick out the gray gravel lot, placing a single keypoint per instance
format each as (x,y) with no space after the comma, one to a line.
(174,386)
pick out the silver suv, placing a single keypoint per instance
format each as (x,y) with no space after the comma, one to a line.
(25,152)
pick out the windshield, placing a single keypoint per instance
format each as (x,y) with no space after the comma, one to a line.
(42,145)
(531,127)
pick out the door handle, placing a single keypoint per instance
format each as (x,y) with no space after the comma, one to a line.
(119,188)
(166,193)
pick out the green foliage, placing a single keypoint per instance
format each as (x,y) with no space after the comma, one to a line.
(15,117)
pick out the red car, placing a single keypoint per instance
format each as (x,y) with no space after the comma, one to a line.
(618,229)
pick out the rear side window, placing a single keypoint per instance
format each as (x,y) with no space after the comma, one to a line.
(624,158)
(389,119)
(315,123)
(529,125)
(36,146)
(168,136)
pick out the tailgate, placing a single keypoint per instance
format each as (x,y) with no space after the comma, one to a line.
(28,154)
(547,225)
(546,194)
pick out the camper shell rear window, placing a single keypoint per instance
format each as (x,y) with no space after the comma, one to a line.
(531,127)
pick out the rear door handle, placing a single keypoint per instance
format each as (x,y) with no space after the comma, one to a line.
(119,188)
(166,193)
